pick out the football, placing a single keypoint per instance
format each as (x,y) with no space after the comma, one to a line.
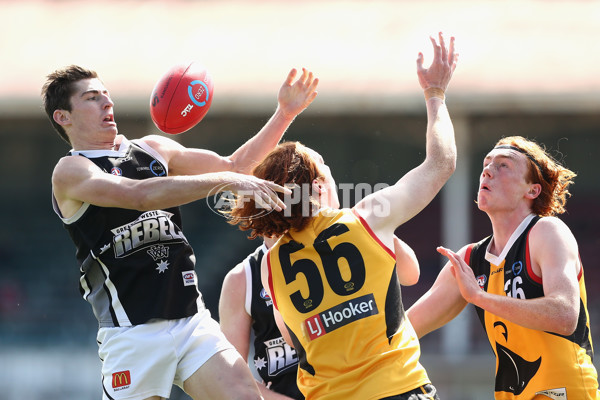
(181,98)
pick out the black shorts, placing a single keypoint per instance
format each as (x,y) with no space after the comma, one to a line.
(425,392)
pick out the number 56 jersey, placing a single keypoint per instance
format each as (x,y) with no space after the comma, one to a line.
(336,287)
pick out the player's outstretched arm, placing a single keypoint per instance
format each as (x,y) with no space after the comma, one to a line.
(293,97)
(388,208)
(76,180)
(439,305)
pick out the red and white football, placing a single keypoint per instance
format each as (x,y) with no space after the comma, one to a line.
(181,98)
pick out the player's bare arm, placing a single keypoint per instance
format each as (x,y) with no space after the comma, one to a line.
(233,318)
(419,186)
(76,180)
(554,256)
(264,275)
(293,97)
(439,305)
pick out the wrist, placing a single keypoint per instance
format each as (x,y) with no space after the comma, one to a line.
(284,115)
(431,92)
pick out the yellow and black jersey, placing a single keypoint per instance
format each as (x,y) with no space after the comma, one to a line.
(530,362)
(336,287)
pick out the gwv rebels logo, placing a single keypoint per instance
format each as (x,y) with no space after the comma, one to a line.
(121,380)
(340,315)
(149,228)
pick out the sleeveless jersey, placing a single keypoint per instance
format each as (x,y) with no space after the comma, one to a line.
(531,362)
(134,265)
(275,361)
(336,287)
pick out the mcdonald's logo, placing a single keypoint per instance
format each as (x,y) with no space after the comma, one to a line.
(120,379)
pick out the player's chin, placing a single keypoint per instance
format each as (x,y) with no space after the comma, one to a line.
(481,202)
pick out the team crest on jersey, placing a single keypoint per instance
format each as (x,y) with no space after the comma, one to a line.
(158,252)
(481,280)
(280,357)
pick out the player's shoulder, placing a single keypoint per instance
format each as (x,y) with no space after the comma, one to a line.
(158,140)
(551,233)
(550,225)
(70,166)
(236,277)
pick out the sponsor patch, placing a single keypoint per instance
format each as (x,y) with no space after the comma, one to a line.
(340,315)
(555,394)
(121,380)
(189,278)
(517,268)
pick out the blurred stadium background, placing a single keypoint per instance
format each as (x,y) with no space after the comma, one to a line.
(526,67)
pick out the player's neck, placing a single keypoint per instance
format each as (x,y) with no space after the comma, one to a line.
(503,226)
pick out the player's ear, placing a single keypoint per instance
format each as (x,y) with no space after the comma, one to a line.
(534,191)
(317,186)
(62,117)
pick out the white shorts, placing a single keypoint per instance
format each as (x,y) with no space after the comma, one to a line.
(146,360)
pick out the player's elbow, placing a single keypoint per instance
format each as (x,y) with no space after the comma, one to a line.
(447,164)
(564,322)
(567,325)
(444,164)
(409,279)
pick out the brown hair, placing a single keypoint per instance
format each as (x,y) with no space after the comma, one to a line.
(543,169)
(58,89)
(289,163)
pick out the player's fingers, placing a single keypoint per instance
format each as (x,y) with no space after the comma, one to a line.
(303,77)
(436,49)
(291,75)
(261,201)
(444,50)
(313,85)
(442,250)
(451,50)
(310,78)
(278,188)
(420,62)
(271,197)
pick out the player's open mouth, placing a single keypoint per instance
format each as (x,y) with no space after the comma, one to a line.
(484,187)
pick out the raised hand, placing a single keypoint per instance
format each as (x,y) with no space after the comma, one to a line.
(467,284)
(294,97)
(262,192)
(442,67)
